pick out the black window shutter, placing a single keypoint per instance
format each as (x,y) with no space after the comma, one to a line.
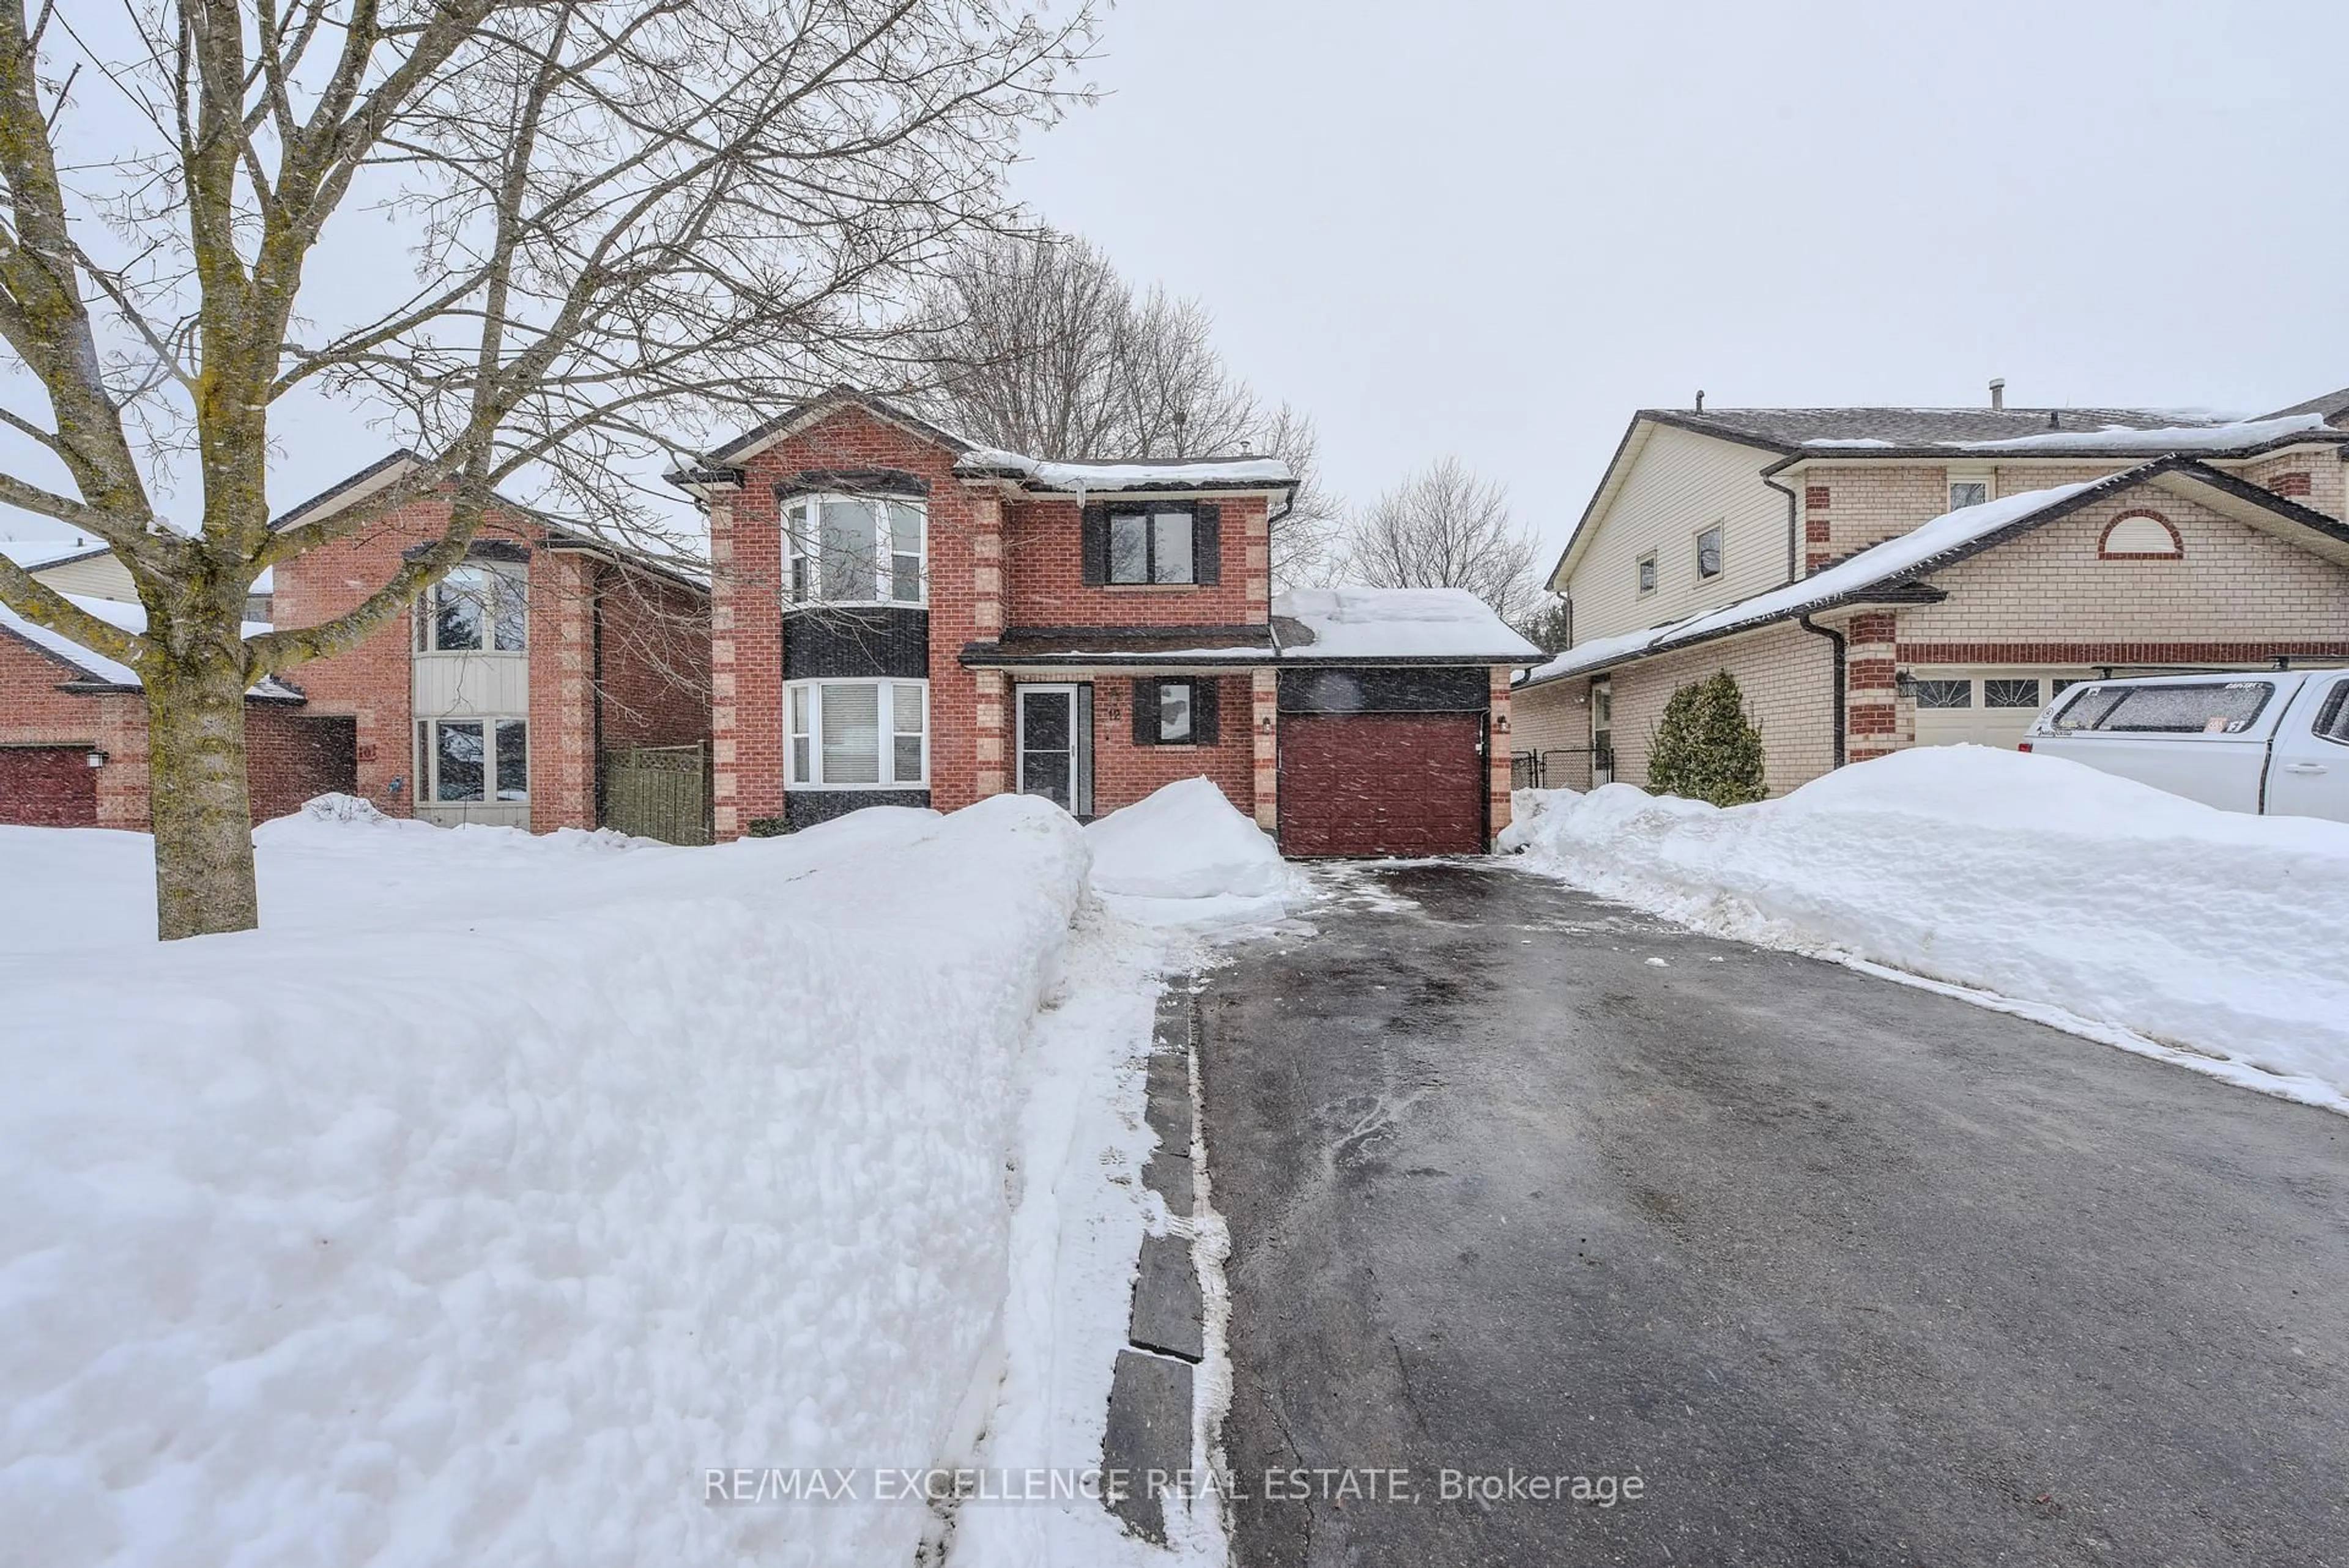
(1207,543)
(1203,711)
(1092,532)
(1146,713)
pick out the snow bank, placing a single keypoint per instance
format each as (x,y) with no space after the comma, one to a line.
(2140,916)
(1185,855)
(501,1185)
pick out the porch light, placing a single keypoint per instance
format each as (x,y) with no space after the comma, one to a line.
(1904,684)
(96,759)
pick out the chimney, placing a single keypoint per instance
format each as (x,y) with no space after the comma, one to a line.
(1998,392)
(1700,401)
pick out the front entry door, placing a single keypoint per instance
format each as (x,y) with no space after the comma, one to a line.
(1056,746)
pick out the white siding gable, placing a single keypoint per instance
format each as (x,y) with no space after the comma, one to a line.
(1680,484)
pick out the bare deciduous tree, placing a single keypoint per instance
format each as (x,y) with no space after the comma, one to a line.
(1445,527)
(1037,345)
(631,222)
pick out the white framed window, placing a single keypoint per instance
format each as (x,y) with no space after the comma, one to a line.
(856,550)
(858,735)
(1964,493)
(472,761)
(1648,573)
(2015,691)
(476,609)
(1708,553)
(1945,694)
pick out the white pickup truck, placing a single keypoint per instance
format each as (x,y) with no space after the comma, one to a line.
(2271,741)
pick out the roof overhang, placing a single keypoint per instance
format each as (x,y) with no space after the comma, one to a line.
(2187,478)
(1644,423)
(814,411)
(372,479)
(1996,457)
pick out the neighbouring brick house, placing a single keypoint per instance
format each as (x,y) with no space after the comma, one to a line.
(1879,578)
(900,616)
(549,682)
(73,733)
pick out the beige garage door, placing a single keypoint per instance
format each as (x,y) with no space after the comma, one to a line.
(1983,707)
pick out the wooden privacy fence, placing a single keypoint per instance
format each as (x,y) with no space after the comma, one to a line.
(658,792)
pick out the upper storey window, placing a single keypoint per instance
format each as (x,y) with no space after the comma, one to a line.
(1167,545)
(475,610)
(855,550)
(1151,546)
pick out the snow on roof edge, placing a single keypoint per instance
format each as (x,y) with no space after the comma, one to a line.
(1360,622)
(1141,474)
(1903,552)
(129,618)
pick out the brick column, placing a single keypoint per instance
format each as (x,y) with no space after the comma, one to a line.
(745,628)
(1264,736)
(1871,699)
(1259,534)
(1817,532)
(562,691)
(986,567)
(987,718)
(1497,747)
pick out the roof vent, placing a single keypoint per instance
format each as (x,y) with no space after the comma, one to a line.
(1700,400)
(1998,392)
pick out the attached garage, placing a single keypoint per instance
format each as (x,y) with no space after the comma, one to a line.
(47,786)
(1977,707)
(1383,762)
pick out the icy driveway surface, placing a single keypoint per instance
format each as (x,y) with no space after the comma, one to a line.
(1845,1272)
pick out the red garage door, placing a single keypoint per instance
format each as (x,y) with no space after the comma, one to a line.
(47,786)
(1382,784)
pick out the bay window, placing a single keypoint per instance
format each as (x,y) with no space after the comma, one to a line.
(854,550)
(461,761)
(858,735)
(475,609)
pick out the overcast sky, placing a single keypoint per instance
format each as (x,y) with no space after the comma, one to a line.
(1496,227)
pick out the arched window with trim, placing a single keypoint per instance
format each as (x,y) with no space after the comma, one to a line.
(2140,536)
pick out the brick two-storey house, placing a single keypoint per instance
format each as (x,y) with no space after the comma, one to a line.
(902,616)
(548,682)
(1879,578)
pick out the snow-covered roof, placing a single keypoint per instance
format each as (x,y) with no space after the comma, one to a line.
(1349,624)
(97,666)
(1152,474)
(1871,567)
(32,554)
(2225,437)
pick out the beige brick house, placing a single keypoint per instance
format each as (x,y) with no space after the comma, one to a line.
(1879,578)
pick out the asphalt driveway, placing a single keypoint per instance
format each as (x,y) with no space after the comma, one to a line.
(1841,1271)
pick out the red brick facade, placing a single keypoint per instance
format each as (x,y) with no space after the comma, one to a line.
(999,559)
(289,757)
(617,657)
(637,640)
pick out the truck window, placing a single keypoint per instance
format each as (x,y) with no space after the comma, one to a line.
(2332,719)
(2203,709)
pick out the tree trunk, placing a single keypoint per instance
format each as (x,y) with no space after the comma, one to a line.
(198,799)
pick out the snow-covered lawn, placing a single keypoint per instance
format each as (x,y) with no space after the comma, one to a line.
(501,1186)
(2096,903)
